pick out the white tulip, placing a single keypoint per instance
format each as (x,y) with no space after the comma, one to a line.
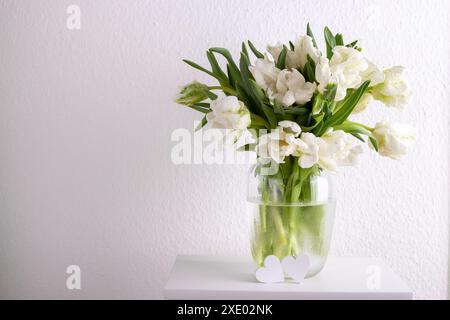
(352,156)
(394,140)
(303,47)
(265,73)
(290,127)
(337,148)
(307,150)
(280,142)
(276,50)
(268,147)
(324,77)
(291,87)
(333,149)
(346,67)
(323,74)
(228,113)
(394,90)
(297,58)
(363,103)
(275,146)
(372,73)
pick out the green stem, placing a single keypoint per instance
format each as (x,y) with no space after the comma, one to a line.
(359,124)
(262,208)
(224,89)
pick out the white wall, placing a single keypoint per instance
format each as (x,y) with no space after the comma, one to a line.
(85,123)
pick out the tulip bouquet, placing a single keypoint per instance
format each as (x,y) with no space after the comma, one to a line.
(297,103)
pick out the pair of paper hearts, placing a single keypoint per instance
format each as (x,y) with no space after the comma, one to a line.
(272,271)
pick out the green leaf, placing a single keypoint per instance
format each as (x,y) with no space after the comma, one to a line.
(339,39)
(353,127)
(199,108)
(278,108)
(201,124)
(297,110)
(232,76)
(215,66)
(352,44)
(330,42)
(224,52)
(317,120)
(198,67)
(257,90)
(211,95)
(233,70)
(345,107)
(203,104)
(245,72)
(291,46)
(244,97)
(319,127)
(311,35)
(255,51)
(374,143)
(244,49)
(318,105)
(258,121)
(310,69)
(281,63)
(270,116)
(358,136)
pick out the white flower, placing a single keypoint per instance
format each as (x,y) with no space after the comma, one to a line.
(273,145)
(265,73)
(323,74)
(280,142)
(344,69)
(394,140)
(276,50)
(346,66)
(333,149)
(353,151)
(290,127)
(291,87)
(228,113)
(363,103)
(394,91)
(324,77)
(337,148)
(303,47)
(268,147)
(297,58)
(307,150)
(372,73)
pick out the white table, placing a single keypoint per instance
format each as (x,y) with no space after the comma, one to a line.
(210,278)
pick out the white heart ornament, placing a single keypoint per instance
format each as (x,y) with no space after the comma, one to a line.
(297,267)
(271,272)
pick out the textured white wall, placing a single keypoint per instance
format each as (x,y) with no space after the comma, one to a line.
(85,123)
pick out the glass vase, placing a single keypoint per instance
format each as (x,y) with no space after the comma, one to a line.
(292,212)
